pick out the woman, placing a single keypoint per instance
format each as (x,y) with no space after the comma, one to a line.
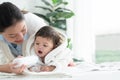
(15,29)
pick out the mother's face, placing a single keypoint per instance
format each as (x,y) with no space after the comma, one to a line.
(15,33)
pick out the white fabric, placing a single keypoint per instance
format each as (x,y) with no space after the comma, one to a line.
(33,23)
(29,61)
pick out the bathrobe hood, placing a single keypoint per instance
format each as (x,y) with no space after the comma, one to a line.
(60,56)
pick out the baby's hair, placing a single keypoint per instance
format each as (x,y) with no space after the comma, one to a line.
(50,33)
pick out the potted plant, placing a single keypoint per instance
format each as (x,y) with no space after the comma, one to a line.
(56,13)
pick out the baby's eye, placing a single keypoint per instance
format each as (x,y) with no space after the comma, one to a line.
(37,43)
(45,45)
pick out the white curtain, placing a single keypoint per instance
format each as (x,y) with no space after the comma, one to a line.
(83,34)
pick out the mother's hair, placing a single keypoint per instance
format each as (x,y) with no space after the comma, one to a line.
(9,15)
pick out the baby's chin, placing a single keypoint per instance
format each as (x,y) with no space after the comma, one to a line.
(38,54)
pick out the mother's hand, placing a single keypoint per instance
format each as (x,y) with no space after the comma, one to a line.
(17,70)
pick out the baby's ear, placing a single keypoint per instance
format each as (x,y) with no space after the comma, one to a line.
(55,46)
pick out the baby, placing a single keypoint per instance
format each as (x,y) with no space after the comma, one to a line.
(50,49)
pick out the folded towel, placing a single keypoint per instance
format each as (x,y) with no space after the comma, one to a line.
(28,61)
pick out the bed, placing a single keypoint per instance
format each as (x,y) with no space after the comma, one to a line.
(83,71)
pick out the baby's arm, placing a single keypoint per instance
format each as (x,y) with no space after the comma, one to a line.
(47,68)
(39,68)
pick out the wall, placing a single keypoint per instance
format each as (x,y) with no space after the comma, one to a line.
(22,4)
(106,16)
(28,5)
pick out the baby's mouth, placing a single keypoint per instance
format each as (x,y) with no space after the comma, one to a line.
(40,52)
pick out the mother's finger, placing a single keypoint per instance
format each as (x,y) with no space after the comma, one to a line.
(22,68)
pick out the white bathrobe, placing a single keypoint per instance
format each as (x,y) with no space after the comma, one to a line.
(59,57)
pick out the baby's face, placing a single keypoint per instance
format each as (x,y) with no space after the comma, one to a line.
(43,46)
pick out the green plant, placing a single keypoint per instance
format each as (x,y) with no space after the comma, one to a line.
(69,43)
(56,13)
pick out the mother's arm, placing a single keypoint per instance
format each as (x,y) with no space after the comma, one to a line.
(9,68)
(5,60)
(5,68)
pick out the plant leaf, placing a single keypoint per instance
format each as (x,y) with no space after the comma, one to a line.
(63,9)
(56,1)
(61,24)
(47,3)
(44,8)
(65,3)
(43,16)
(60,3)
(60,15)
(65,15)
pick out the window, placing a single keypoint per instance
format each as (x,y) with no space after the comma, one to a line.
(94,20)
(108,48)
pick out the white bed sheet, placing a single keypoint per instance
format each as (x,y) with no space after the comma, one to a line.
(80,72)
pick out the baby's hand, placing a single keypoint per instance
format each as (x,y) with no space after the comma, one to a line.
(35,68)
(47,68)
